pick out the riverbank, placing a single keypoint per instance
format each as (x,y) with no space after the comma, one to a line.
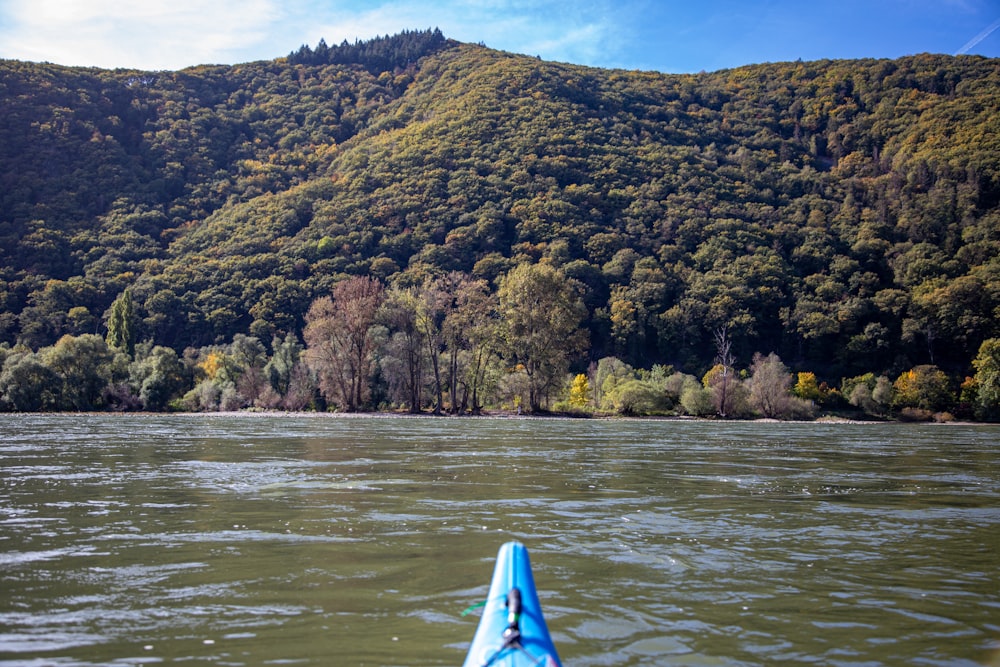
(513,415)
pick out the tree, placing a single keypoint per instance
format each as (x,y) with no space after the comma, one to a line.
(244,353)
(403,353)
(233,376)
(472,342)
(579,392)
(541,311)
(84,363)
(727,389)
(301,389)
(697,400)
(280,368)
(869,393)
(807,387)
(987,378)
(159,375)
(637,397)
(609,373)
(121,324)
(436,300)
(882,393)
(452,316)
(770,386)
(728,393)
(852,225)
(624,320)
(340,341)
(925,387)
(27,384)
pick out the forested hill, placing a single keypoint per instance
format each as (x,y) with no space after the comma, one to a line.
(844,214)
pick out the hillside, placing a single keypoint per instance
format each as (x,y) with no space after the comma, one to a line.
(845,215)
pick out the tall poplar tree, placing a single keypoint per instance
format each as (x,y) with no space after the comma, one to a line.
(121,324)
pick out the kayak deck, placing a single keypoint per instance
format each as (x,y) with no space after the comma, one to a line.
(512,631)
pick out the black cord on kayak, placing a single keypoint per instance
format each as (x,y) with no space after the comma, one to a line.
(512,635)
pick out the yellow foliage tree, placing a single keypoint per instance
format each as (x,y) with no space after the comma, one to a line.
(807,387)
(211,365)
(926,387)
(579,392)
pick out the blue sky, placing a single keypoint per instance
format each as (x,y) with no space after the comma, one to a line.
(665,35)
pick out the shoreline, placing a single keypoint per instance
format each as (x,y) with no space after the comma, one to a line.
(501,415)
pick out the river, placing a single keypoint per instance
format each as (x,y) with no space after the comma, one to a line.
(326,540)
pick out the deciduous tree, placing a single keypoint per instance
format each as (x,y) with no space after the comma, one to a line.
(579,392)
(728,392)
(121,324)
(987,365)
(472,332)
(403,355)
(340,341)
(84,363)
(27,384)
(158,376)
(542,312)
(926,387)
(770,386)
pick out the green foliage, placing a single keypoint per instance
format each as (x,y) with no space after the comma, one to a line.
(610,372)
(637,397)
(869,393)
(841,213)
(159,376)
(280,368)
(121,324)
(27,384)
(84,365)
(770,386)
(697,401)
(926,387)
(382,54)
(542,313)
(987,379)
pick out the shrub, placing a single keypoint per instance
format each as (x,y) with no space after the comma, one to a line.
(697,401)
(926,387)
(911,414)
(637,397)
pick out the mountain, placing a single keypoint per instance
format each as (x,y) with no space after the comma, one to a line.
(845,214)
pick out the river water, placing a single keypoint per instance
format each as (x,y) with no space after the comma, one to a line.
(320,540)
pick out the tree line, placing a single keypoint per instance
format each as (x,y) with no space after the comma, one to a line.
(840,214)
(379,54)
(454,346)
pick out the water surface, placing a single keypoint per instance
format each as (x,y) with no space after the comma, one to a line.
(318,540)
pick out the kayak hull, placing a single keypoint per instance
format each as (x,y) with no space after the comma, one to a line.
(535,647)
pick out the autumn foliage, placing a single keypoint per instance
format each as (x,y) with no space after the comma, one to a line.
(841,215)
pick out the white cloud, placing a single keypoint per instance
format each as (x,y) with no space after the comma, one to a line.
(149,34)
(173,34)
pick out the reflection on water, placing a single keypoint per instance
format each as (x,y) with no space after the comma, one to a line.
(331,540)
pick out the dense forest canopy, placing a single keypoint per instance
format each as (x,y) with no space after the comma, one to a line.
(842,214)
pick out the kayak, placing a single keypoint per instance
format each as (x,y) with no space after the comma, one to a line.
(512,631)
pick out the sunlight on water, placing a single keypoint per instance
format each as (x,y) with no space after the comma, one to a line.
(252,540)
